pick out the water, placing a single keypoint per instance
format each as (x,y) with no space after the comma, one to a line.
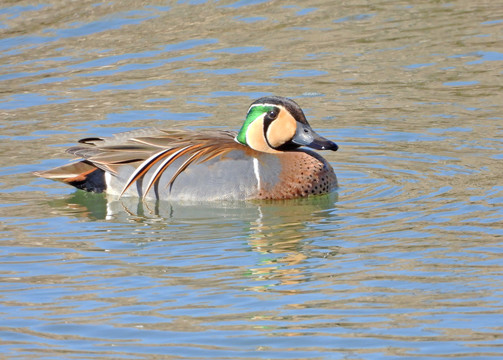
(403,262)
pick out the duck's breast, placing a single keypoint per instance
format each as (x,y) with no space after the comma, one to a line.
(298,174)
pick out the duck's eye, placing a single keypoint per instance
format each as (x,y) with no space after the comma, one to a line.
(273,114)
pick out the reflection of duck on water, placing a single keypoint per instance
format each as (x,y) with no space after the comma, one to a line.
(279,232)
(262,161)
(282,234)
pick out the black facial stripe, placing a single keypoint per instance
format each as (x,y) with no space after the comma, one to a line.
(269,117)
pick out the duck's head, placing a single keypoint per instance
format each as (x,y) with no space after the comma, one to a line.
(275,123)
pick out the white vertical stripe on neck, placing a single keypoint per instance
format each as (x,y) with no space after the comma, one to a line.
(256,171)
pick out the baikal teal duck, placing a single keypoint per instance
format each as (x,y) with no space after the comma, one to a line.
(264,160)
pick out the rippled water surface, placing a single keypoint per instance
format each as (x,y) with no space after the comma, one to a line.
(404,261)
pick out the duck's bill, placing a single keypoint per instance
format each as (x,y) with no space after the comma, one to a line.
(306,136)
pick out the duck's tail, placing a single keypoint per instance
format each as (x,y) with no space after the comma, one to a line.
(82,174)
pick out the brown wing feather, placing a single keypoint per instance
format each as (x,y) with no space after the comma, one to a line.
(171,155)
(145,166)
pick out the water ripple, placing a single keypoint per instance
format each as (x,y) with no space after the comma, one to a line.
(403,261)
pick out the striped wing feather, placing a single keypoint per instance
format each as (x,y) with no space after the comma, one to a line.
(155,147)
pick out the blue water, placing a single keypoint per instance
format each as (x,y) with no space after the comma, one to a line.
(402,262)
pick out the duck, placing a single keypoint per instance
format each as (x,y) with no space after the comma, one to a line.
(269,158)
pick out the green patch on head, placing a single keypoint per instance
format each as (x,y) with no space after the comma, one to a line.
(254,112)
